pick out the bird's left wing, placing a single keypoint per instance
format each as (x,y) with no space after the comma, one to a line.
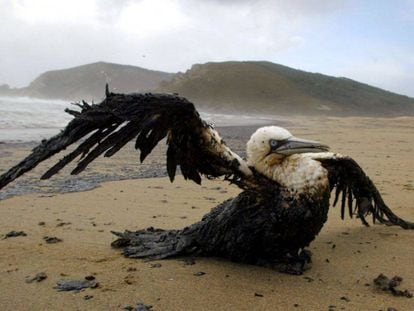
(192,144)
(357,191)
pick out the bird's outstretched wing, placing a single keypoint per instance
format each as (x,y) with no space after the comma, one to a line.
(193,145)
(358,193)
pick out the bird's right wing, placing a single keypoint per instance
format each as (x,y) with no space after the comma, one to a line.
(358,193)
(193,145)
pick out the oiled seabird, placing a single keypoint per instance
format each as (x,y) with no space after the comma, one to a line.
(286,181)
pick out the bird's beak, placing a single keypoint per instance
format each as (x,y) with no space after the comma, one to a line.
(294,145)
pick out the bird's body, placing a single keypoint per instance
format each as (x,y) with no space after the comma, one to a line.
(286,181)
(267,229)
(270,227)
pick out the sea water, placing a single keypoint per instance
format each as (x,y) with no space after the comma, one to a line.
(24,119)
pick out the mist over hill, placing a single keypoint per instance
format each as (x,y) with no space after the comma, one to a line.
(227,87)
(265,87)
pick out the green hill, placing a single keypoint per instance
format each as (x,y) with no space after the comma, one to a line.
(248,87)
(88,81)
(264,87)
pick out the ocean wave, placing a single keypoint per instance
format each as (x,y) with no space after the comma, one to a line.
(31,119)
(28,119)
(24,112)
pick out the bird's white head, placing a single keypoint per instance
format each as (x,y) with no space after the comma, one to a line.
(271,144)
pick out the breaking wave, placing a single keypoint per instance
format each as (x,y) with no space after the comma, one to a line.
(25,119)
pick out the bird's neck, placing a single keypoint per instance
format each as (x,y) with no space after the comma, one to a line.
(297,173)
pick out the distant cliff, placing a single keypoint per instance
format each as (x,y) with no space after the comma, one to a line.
(265,87)
(88,82)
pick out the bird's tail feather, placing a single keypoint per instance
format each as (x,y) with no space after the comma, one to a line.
(153,243)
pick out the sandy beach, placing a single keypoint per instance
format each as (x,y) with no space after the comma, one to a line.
(346,255)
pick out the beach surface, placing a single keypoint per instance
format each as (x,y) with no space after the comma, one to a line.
(346,255)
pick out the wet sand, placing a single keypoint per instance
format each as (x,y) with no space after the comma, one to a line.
(346,255)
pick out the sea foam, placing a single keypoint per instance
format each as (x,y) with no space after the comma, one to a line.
(30,119)
(24,119)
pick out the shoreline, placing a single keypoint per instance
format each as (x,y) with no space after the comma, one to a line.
(127,166)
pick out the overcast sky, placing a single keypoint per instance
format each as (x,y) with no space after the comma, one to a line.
(371,41)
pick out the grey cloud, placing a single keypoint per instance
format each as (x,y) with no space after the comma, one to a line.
(212,30)
(293,6)
(109,10)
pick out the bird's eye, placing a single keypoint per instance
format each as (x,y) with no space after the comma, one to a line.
(273,143)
